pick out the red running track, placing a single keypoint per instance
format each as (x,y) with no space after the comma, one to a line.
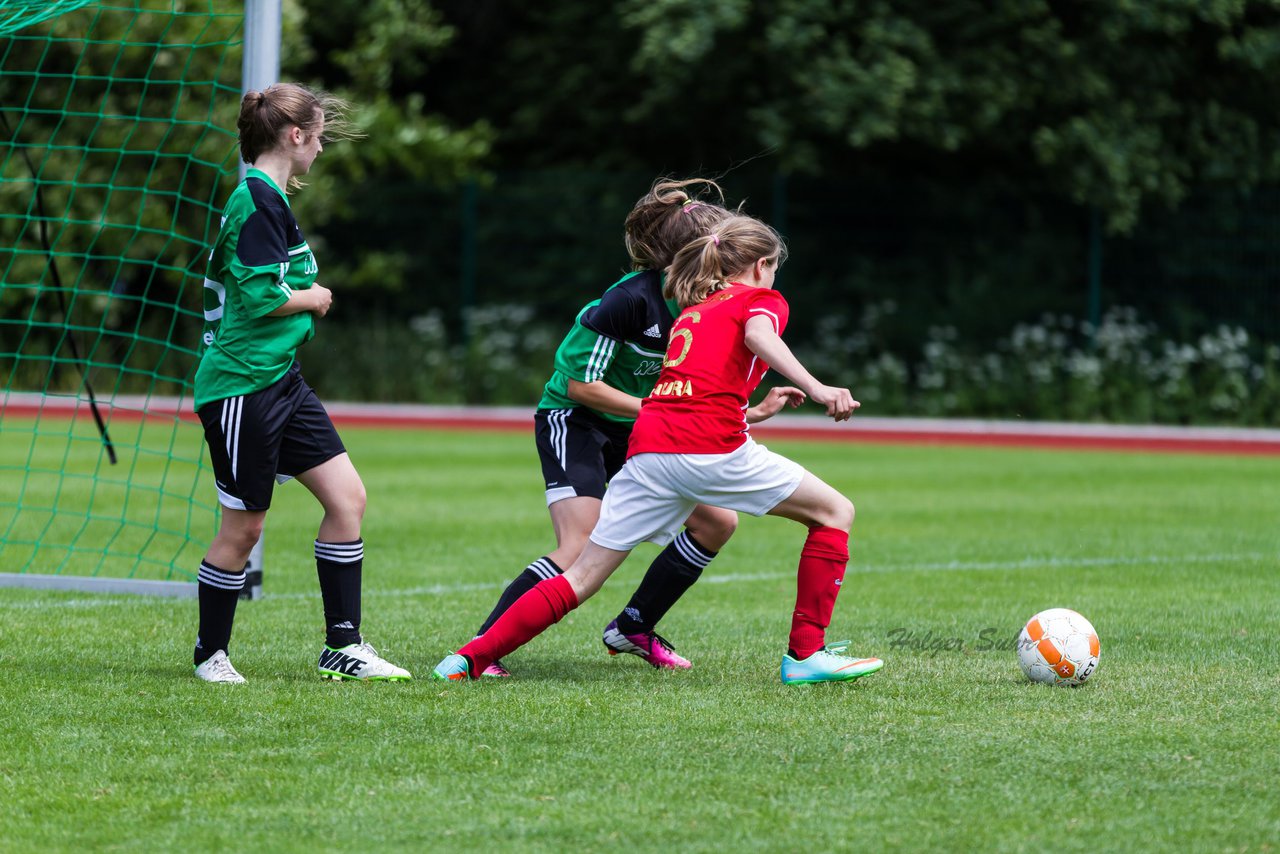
(862,429)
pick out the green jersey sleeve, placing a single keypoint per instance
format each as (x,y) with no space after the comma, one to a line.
(260,264)
(585,355)
(617,339)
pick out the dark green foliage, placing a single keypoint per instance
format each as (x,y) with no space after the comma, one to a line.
(978,165)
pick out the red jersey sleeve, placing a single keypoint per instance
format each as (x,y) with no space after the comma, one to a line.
(766,302)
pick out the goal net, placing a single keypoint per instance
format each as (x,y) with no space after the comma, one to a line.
(118,117)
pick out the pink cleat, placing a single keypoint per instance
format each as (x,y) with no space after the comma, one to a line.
(650,646)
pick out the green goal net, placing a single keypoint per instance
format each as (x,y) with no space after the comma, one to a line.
(118,119)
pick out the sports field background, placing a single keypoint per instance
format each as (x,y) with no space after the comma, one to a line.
(112,744)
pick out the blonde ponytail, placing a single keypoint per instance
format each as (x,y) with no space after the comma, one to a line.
(707,263)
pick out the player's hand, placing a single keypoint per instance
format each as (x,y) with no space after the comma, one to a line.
(838,401)
(323,299)
(773,403)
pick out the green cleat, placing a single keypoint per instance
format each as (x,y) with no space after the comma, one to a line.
(826,665)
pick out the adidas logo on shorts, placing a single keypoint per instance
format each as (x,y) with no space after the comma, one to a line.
(653,332)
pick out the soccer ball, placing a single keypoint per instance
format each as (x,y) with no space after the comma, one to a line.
(1059,647)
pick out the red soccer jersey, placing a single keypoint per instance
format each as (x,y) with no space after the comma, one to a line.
(699,404)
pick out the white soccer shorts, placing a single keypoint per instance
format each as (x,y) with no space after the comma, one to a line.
(653,495)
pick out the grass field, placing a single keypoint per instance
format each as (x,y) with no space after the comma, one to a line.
(111,744)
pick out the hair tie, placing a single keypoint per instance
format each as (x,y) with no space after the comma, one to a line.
(716,238)
(690,205)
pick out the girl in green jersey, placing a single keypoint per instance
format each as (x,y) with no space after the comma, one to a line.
(262,421)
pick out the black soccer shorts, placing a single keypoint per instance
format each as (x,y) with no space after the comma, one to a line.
(579,450)
(271,435)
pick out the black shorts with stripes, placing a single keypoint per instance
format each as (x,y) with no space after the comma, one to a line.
(579,450)
(271,435)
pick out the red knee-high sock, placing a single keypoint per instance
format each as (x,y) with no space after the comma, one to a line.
(531,615)
(822,565)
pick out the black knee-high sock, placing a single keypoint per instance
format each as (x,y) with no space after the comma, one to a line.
(338,566)
(540,570)
(219,591)
(672,572)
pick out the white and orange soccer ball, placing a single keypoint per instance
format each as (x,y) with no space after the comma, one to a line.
(1059,647)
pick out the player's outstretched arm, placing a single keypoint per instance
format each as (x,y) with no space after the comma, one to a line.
(602,397)
(765,343)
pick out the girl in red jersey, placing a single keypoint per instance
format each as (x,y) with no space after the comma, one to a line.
(691,446)
(604,368)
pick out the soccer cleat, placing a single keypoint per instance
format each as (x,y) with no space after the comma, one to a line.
(453,668)
(826,665)
(359,661)
(650,646)
(495,671)
(217,668)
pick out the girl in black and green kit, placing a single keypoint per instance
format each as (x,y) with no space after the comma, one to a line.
(262,422)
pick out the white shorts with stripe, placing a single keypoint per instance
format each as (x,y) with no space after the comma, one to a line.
(653,495)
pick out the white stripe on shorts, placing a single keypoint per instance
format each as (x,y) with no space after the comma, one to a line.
(560,493)
(232,408)
(559,436)
(226,499)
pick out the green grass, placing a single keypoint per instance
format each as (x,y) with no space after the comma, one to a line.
(111,744)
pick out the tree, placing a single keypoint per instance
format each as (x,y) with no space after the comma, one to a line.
(376,54)
(1108,104)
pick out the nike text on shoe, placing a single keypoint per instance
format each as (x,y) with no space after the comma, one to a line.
(453,668)
(359,661)
(495,671)
(827,665)
(217,668)
(650,646)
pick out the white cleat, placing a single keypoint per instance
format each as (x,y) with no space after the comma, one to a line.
(359,661)
(217,668)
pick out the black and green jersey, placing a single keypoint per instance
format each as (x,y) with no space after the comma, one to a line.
(620,339)
(258,259)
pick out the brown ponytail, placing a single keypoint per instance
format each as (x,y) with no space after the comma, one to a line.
(667,217)
(266,115)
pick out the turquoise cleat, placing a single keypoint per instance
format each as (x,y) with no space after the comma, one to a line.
(826,665)
(453,668)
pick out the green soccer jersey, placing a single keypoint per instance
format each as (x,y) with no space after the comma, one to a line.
(258,259)
(620,339)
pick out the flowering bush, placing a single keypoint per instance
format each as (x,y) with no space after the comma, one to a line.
(504,358)
(1057,369)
